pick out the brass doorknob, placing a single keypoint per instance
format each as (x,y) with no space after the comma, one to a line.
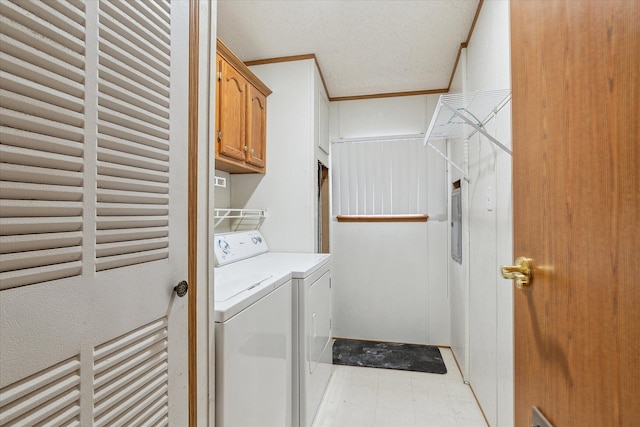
(521,272)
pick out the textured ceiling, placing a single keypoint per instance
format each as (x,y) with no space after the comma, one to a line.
(363,47)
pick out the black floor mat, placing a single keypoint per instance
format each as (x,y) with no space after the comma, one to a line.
(406,357)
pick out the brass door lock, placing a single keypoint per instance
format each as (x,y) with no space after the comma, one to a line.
(521,272)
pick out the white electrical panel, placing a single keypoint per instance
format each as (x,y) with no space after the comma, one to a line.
(456,224)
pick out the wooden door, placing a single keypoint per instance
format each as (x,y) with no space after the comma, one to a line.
(576,184)
(324,216)
(232,110)
(257,128)
(93,213)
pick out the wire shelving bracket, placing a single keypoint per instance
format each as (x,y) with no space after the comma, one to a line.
(242,216)
(454,111)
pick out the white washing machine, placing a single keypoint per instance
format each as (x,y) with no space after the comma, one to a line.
(254,339)
(311,309)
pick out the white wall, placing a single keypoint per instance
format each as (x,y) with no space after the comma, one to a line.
(404,115)
(458,272)
(222,201)
(389,279)
(223,194)
(288,189)
(489,225)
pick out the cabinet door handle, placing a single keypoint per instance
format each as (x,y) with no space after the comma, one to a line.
(246,148)
(252,151)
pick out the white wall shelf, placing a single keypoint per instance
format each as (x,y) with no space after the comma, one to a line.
(252,217)
(454,111)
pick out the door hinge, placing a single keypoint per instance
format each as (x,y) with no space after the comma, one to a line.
(219,75)
(219,135)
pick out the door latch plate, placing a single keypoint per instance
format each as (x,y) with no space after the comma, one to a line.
(539,420)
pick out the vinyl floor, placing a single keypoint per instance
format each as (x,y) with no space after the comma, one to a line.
(374,397)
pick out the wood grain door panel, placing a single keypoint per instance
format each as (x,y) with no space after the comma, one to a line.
(576,101)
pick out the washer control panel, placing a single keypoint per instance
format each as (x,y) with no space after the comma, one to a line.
(232,247)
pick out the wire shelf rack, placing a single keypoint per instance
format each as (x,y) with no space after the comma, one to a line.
(461,115)
(240,218)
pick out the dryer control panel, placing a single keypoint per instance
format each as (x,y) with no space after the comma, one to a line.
(232,247)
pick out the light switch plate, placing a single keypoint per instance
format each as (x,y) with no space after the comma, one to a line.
(490,197)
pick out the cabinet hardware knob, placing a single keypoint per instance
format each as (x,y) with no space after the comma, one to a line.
(181,288)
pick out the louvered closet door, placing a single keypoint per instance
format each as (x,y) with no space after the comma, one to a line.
(93,212)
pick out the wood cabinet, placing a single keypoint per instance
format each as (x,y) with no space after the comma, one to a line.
(232,112)
(257,128)
(241,116)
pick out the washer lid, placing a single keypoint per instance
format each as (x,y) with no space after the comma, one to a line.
(242,288)
(229,285)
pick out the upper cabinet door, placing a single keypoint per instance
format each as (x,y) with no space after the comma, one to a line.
(256,129)
(232,104)
(323,121)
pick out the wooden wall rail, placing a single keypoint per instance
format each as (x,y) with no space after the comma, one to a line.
(383,218)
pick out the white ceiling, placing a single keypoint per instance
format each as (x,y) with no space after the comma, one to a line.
(363,47)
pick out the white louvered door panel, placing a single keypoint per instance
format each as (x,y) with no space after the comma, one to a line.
(93,212)
(133,135)
(42,144)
